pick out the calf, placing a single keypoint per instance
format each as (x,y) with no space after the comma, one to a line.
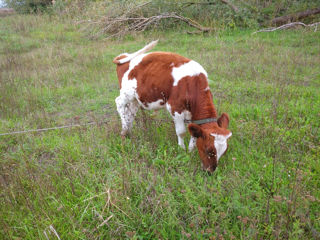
(163,79)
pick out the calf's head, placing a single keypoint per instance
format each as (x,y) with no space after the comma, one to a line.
(211,141)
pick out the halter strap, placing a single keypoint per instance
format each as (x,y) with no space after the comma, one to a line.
(201,121)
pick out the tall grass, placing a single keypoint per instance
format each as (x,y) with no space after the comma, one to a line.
(86,183)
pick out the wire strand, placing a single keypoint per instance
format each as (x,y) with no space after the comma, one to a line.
(52,128)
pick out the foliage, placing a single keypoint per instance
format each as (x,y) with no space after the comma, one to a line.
(28,6)
(95,17)
(215,14)
(86,183)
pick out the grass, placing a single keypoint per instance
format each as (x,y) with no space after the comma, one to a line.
(266,187)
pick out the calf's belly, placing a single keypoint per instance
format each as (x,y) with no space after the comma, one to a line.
(151,105)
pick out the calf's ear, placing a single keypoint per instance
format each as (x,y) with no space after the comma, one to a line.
(223,120)
(195,130)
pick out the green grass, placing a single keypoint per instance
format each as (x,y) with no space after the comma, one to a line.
(265,187)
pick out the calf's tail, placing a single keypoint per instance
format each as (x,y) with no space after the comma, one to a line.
(125,57)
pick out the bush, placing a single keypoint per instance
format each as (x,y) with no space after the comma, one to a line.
(28,6)
(214,14)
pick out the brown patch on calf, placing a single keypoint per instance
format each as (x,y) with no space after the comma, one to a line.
(155,81)
(154,78)
(189,95)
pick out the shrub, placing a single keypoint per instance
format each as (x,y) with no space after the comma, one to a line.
(28,6)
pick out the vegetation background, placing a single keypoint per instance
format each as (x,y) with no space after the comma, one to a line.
(85,183)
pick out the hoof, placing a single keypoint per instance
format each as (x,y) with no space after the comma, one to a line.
(190,149)
(124,133)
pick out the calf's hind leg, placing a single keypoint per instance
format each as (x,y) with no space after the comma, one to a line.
(127,109)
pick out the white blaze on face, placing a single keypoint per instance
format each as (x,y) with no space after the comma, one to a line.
(220,143)
(190,69)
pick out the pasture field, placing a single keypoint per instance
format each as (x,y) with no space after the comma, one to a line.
(86,183)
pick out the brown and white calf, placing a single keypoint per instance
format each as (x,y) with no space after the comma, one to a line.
(163,79)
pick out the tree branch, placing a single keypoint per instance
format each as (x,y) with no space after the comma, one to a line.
(232,6)
(119,26)
(295,16)
(289,25)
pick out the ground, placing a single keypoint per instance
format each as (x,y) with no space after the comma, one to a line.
(86,183)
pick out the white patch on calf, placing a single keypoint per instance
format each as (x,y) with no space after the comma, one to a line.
(220,143)
(129,86)
(154,105)
(191,68)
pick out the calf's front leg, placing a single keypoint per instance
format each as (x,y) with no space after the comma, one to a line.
(180,129)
